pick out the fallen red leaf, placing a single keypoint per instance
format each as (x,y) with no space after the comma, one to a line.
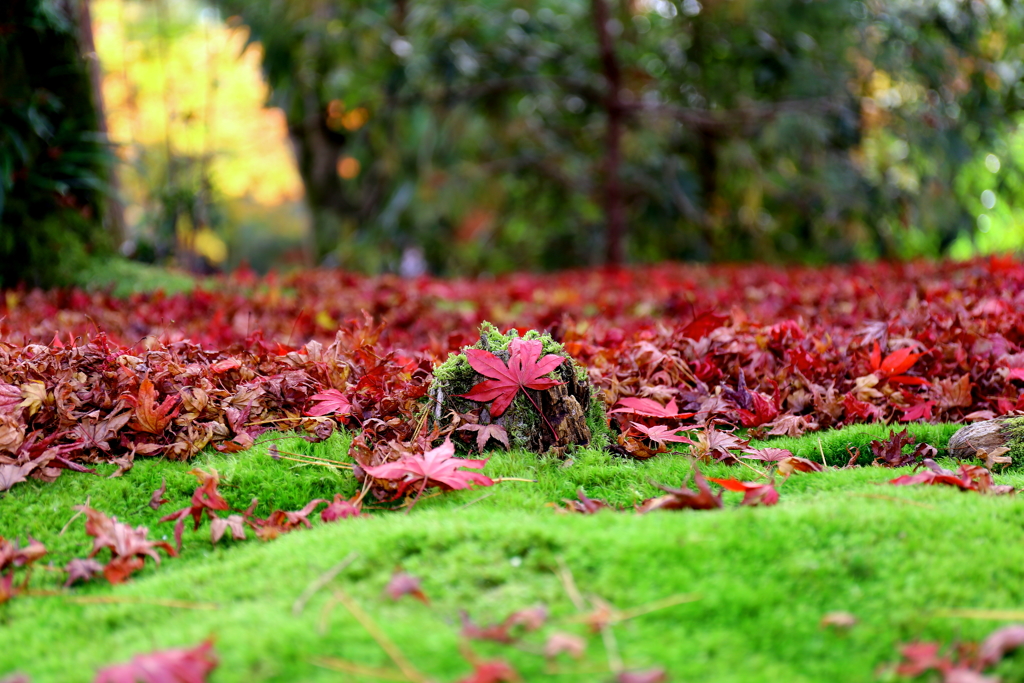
(80,569)
(649,408)
(330,402)
(564,643)
(402,584)
(788,466)
(205,501)
(234,523)
(437,467)
(896,363)
(341,508)
(684,498)
(166,666)
(128,546)
(150,415)
(492,672)
(660,434)
(584,505)
(156,499)
(281,521)
(754,493)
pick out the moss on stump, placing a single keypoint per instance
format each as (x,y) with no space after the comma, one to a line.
(571,408)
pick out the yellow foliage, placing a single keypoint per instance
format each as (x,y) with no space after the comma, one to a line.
(209,100)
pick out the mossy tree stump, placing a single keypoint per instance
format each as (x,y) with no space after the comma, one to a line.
(569,408)
(988,435)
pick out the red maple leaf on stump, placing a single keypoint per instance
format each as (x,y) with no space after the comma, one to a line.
(525,370)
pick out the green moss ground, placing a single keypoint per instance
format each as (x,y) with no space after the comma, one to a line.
(839,540)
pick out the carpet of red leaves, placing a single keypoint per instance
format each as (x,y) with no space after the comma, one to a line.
(86,377)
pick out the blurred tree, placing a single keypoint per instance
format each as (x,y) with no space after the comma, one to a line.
(499,135)
(52,156)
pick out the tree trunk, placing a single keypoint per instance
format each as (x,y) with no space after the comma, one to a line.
(114,210)
(317,150)
(614,210)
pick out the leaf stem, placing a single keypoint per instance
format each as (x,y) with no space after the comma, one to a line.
(321,581)
(367,622)
(542,415)
(752,469)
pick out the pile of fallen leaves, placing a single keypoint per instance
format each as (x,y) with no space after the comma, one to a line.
(68,406)
(87,378)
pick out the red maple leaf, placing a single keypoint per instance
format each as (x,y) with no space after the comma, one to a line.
(11,556)
(967,478)
(166,666)
(437,467)
(341,508)
(330,402)
(767,454)
(649,408)
(793,464)
(507,631)
(895,364)
(494,671)
(660,433)
(754,493)
(205,499)
(921,411)
(684,498)
(702,325)
(281,521)
(128,547)
(525,370)
(646,676)
(82,569)
(764,411)
(150,415)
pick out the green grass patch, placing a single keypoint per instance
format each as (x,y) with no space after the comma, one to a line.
(123,277)
(838,540)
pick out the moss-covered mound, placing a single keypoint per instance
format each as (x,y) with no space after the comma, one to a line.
(572,409)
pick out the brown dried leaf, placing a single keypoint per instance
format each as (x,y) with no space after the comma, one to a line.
(82,569)
(156,499)
(684,498)
(14,474)
(12,434)
(485,433)
(218,525)
(151,416)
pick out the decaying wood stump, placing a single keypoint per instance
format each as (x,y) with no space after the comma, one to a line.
(567,407)
(989,435)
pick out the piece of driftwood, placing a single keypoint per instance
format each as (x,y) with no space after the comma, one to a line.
(988,435)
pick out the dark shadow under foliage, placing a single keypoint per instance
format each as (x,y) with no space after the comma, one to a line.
(52,158)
